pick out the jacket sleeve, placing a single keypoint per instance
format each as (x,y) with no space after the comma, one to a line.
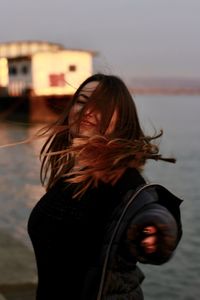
(168,234)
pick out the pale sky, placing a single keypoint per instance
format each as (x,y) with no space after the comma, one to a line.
(134,38)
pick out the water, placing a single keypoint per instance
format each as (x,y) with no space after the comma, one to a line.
(179,117)
(20,187)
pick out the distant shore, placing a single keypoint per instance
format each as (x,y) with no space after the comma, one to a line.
(173,86)
(163,91)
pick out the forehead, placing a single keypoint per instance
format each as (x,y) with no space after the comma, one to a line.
(89,88)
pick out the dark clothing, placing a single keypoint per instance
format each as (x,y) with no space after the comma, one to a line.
(68,237)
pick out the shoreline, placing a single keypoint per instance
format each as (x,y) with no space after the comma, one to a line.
(18,267)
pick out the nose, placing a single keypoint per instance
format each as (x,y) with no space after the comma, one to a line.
(92,116)
(89,114)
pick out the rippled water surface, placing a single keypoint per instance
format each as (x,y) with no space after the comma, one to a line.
(20,188)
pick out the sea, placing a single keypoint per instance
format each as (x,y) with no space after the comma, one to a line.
(178,117)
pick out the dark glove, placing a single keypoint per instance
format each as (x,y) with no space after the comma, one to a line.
(164,230)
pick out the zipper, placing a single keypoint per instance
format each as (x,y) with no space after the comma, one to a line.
(132,198)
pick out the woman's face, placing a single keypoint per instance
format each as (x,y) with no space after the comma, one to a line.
(90,121)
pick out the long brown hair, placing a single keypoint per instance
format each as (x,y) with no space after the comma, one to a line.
(102,157)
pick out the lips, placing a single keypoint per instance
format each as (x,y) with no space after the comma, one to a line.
(87,124)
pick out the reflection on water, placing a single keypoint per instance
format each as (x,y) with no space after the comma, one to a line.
(179,117)
(20,187)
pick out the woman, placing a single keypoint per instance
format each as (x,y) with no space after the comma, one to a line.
(91,164)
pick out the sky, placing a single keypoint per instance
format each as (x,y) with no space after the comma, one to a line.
(133,38)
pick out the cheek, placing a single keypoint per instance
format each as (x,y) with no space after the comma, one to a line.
(71,116)
(75,110)
(74,113)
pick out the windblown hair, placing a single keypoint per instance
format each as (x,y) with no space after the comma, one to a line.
(103,157)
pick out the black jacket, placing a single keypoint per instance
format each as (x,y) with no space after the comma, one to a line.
(116,276)
(90,247)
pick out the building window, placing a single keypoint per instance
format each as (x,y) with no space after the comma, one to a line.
(12,70)
(72,68)
(24,69)
(57,80)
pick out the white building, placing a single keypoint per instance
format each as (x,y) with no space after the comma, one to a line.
(42,69)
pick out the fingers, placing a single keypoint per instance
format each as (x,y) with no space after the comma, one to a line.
(150,230)
(149,243)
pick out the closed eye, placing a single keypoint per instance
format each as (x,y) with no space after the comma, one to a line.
(82,99)
(81,102)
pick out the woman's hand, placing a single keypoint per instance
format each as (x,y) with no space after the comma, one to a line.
(152,235)
(149,243)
